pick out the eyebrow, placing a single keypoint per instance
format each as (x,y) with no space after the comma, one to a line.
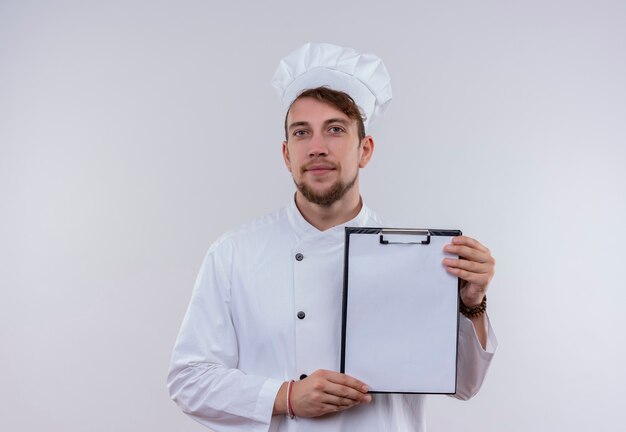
(337,120)
(297,124)
(326,123)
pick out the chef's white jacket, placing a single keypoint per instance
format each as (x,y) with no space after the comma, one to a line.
(242,337)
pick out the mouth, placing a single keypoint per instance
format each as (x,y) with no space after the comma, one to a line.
(319,169)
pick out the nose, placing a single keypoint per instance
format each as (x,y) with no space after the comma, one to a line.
(318,146)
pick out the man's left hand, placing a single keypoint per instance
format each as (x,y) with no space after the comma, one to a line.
(476,268)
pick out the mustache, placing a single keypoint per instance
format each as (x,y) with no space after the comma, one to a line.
(318,164)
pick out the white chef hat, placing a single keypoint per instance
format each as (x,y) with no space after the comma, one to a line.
(362,76)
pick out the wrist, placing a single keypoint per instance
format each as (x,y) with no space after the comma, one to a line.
(473,310)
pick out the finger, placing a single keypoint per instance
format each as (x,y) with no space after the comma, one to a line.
(468,253)
(330,408)
(475,278)
(468,241)
(344,392)
(470,266)
(338,400)
(347,380)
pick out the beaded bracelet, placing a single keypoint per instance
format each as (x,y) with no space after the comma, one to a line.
(473,312)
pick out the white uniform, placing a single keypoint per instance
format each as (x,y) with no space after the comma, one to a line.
(242,336)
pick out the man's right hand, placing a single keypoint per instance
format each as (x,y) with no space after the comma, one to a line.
(325,392)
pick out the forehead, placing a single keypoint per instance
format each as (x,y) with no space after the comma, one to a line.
(314,111)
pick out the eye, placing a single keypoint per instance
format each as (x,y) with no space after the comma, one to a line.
(336,129)
(299,133)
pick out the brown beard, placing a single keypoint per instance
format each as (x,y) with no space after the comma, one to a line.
(328,197)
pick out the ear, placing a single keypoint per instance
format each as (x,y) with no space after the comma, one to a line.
(286,156)
(367,149)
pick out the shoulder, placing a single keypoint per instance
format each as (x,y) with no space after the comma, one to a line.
(373,219)
(257,231)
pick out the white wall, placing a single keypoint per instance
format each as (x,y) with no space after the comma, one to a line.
(133,133)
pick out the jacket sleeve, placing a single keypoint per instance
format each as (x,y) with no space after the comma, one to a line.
(472,360)
(203,378)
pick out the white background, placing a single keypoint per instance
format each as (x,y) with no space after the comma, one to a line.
(133,133)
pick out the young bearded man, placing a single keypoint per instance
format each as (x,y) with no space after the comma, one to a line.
(259,346)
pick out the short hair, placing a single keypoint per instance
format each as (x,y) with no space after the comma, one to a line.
(338,99)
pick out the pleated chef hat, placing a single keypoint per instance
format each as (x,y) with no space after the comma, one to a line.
(363,76)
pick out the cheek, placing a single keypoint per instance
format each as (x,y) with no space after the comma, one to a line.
(296,159)
(356,159)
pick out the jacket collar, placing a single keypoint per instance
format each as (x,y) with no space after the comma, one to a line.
(304,229)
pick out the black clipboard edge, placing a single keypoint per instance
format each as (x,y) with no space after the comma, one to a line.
(344,306)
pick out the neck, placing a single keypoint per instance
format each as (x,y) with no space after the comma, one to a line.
(341,211)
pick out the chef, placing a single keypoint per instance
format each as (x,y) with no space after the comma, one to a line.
(258,349)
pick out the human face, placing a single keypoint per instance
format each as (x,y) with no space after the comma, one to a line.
(323,152)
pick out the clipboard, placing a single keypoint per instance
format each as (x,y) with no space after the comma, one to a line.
(400,310)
